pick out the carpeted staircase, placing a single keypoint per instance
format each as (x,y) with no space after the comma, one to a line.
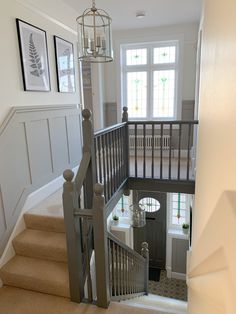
(40,263)
(36,278)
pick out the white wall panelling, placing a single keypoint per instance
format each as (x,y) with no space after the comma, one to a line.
(37,144)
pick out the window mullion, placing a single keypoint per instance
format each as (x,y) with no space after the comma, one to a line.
(150,89)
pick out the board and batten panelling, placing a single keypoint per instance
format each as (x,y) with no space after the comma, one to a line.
(36,145)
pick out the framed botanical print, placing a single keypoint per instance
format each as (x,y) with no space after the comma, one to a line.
(65,65)
(34,57)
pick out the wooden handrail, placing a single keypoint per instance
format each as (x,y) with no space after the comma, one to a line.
(109,129)
(125,247)
(133,122)
(82,171)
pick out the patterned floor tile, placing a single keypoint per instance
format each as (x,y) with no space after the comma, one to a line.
(171,288)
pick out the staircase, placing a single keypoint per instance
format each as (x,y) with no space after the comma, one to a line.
(40,263)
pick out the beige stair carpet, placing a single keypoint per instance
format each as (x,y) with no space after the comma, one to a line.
(40,263)
(19,301)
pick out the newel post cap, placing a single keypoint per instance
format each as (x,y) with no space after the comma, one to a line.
(86,113)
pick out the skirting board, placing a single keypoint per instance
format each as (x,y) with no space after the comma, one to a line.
(33,199)
(171,274)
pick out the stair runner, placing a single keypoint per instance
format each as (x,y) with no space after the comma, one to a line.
(40,263)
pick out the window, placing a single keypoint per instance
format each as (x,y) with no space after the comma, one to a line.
(179,209)
(150,204)
(150,80)
(122,207)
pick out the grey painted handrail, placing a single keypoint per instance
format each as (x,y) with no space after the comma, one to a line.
(82,171)
(124,246)
(109,129)
(133,122)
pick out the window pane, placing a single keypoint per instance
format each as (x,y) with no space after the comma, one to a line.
(182,213)
(182,205)
(179,222)
(137,94)
(164,55)
(151,204)
(136,56)
(163,94)
(175,197)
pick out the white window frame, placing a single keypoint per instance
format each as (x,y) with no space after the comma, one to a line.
(150,67)
(187,210)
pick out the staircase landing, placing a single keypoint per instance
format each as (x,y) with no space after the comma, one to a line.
(158,303)
(20,301)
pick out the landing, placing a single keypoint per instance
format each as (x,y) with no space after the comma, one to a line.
(162,304)
(19,301)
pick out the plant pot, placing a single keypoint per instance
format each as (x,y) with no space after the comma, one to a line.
(185,231)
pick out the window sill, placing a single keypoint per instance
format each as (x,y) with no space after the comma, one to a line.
(178,234)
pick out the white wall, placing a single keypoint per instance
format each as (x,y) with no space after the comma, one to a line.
(188,32)
(212,272)
(57,19)
(97,73)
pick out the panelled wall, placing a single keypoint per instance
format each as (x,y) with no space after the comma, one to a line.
(37,144)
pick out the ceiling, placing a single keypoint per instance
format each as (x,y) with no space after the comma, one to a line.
(158,12)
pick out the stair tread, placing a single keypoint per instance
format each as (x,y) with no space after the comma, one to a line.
(37,275)
(41,244)
(44,222)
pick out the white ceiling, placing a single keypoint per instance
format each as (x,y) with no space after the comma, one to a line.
(158,12)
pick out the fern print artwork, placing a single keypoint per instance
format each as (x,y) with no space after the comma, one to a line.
(35,62)
(34,57)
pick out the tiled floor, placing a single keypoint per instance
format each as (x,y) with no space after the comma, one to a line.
(171,288)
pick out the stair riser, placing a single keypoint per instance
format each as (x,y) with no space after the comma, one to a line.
(36,222)
(29,284)
(42,252)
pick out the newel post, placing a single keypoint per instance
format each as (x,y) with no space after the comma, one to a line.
(145,254)
(73,239)
(101,247)
(88,146)
(125,118)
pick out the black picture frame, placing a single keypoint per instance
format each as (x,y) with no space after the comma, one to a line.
(34,57)
(65,65)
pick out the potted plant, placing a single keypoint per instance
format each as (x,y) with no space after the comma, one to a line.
(185,228)
(115,219)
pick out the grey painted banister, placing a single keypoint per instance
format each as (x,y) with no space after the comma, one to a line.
(121,273)
(162,147)
(83,167)
(125,114)
(125,247)
(165,122)
(145,254)
(88,147)
(100,247)
(128,270)
(109,129)
(73,236)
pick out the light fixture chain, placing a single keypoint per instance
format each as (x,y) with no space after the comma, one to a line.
(93,2)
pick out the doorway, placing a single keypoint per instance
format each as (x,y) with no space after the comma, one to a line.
(154,232)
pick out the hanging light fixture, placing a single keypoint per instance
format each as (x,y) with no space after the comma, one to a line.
(138,215)
(95,38)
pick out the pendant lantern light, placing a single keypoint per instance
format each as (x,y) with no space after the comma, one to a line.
(95,38)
